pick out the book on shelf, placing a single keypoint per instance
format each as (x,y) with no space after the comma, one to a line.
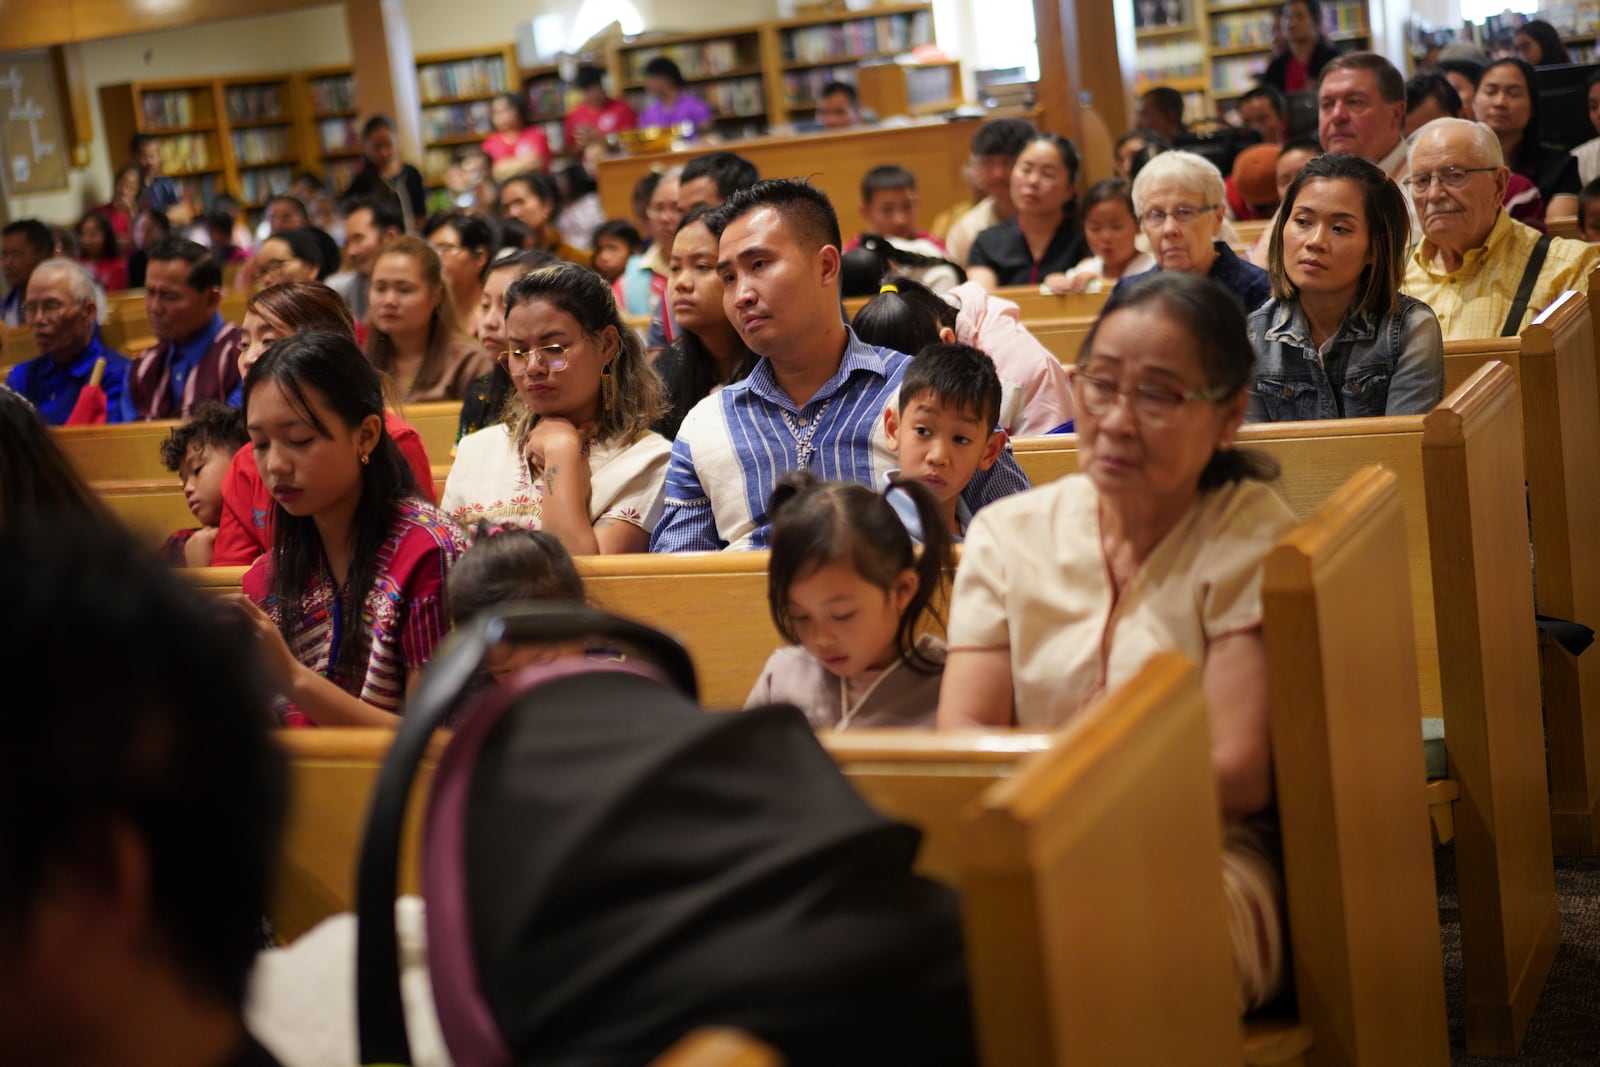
(1242,30)
(741,96)
(696,59)
(802,87)
(254,103)
(197,189)
(1167,61)
(457,120)
(1237,74)
(261,145)
(336,92)
(465,77)
(260,185)
(858,37)
(186,152)
(168,109)
(338,135)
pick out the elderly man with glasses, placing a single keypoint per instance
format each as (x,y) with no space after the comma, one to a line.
(1484,273)
(60,308)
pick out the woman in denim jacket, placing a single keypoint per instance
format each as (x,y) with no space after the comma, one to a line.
(1338,339)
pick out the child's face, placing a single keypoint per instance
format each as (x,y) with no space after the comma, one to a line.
(941,445)
(845,622)
(1589,219)
(891,212)
(308,474)
(611,257)
(1111,231)
(201,473)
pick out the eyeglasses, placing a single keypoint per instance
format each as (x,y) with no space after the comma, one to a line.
(552,358)
(1449,178)
(1184,216)
(1151,404)
(445,249)
(43,309)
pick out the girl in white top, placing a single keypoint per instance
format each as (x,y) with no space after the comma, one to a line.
(1112,230)
(574,455)
(846,586)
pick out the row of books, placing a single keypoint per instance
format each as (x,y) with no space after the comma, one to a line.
(457,120)
(741,96)
(1169,61)
(199,189)
(464,77)
(699,59)
(188,152)
(336,92)
(338,135)
(860,37)
(1237,31)
(802,87)
(254,103)
(175,107)
(262,145)
(258,185)
(1573,19)
(1237,74)
(1345,16)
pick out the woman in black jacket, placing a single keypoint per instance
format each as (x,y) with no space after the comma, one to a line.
(1296,68)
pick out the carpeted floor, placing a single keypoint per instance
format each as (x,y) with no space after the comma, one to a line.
(1565,1031)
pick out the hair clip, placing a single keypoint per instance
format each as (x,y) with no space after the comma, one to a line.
(888,289)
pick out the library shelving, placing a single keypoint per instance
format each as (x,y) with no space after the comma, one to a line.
(262,149)
(455,90)
(330,134)
(545,95)
(1171,51)
(185,119)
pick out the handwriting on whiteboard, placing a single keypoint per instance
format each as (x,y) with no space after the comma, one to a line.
(23,109)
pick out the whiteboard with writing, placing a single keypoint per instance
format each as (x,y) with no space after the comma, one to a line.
(30,125)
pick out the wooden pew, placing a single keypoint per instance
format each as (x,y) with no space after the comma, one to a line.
(1032,304)
(1342,667)
(16,345)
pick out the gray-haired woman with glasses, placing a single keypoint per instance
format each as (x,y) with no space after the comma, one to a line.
(1180,200)
(1064,592)
(1338,340)
(574,454)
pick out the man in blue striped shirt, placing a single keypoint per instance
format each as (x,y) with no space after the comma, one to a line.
(815,400)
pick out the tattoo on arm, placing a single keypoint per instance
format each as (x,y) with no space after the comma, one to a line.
(549,478)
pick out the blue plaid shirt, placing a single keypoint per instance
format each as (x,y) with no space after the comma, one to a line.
(735,445)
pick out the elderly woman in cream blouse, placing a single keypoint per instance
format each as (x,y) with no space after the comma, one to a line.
(574,455)
(1064,592)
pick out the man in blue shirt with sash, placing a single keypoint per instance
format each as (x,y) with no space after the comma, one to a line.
(816,398)
(61,314)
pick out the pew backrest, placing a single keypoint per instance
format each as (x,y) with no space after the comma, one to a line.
(1348,764)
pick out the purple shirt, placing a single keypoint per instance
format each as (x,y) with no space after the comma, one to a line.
(684,109)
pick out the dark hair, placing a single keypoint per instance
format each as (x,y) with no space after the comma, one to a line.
(507,564)
(36,233)
(35,476)
(905,316)
(514,233)
(1551,51)
(109,248)
(1589,194)
(518,104)
(575,183)
(213,425)
(386,214)
(305,246)
(634,400)
(1065,149)
(522,261)
(1391,83)
(618,229)
(1210,313)
(474,231)
(374,124)
(1303,144)
(203,270)
(294,202)
(645,188)
(1525,159)
(662,67)
(886,179)
(1109,190)
(349,385)
(728,171)
(839,88)
(64,242)
(1388,231)
(1002,137)
(138,141)
(541,186)
(157,216)
(1165,100)
(1154,145)
(864,268)
(956,374)
(806,210)
(1435,87)
(690,374)
(588,77)
(1467,68)
(302,307)
(815,523)
(1271,95)
(167,736)
(1313,8)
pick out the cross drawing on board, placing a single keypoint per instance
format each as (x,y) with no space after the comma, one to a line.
(25,110)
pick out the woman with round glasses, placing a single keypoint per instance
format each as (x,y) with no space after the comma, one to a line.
(1338,340)
(574,454)
(1065,592)
(1180,199)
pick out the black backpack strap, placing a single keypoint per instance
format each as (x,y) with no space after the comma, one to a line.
(1530,275)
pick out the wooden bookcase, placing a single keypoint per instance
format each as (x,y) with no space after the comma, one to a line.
(262,150)
(725,67)
(330,134)
(185,118)
(545,95)
(817,49)
(455,89)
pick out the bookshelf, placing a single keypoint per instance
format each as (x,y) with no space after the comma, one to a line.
(184,117)
(545,94)
(1240,38)
(1171,51)
(455,89)
(262,149)
(724,67)
(330,135)
(816,49)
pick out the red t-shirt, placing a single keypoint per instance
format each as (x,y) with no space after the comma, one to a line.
(1295,76)
(245,531)
(530,141)
(615,116)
